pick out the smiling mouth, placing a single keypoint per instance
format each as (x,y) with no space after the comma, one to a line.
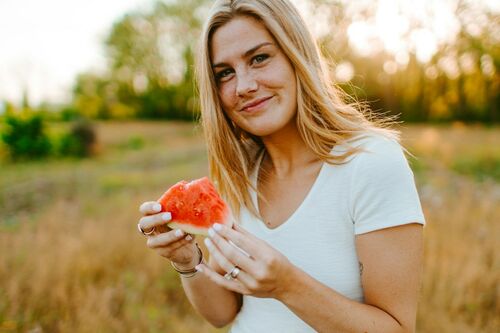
(256,104)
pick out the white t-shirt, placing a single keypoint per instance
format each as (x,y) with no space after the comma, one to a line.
(374,190)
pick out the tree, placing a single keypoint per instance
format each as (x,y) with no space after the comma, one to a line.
(150,62)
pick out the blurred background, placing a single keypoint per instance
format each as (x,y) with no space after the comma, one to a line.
(98,113)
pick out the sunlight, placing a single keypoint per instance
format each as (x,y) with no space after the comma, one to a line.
(45,44)
(402,27)
(344,72)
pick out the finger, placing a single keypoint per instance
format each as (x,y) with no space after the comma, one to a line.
(170,250)
(150,221)
(244,231)
(233,285)
(165,239)
(181,242)
(226,252)
(243,241)
(221,260)
(150,207)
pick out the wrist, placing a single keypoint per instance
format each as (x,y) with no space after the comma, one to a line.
(187,265)
(188,262)
(291,283)
(188,269)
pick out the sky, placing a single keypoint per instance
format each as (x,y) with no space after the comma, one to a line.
(44,44)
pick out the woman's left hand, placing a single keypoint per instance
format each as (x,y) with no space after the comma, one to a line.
(264,271)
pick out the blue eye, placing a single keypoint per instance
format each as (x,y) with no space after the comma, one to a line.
(259,58)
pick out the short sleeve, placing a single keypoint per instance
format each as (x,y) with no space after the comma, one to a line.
(383,192)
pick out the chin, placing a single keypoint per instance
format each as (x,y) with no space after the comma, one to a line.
(263,131)
(268,123)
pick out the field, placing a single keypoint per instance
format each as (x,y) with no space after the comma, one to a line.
(71,259)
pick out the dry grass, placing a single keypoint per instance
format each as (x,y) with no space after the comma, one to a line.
(462,207)
(71,259)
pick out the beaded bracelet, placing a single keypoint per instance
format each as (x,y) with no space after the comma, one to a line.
(189,272)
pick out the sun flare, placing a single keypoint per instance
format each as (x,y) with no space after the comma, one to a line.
(402,27)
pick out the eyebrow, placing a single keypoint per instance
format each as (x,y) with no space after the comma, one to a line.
(246,54)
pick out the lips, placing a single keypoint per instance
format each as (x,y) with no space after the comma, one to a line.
(255,104)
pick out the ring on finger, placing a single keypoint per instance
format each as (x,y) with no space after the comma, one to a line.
(145,233)
(233,274)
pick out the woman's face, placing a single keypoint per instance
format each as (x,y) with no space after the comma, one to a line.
(255,80)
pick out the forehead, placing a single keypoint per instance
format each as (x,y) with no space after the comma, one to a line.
(236,37)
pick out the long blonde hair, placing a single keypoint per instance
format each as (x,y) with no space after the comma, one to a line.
(323,119)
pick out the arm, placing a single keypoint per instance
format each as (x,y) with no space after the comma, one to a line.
(392,264)
(392,260)
(215,303)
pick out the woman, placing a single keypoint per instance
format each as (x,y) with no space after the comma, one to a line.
(329,230)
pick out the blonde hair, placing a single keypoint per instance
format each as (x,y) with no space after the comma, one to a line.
(323,118)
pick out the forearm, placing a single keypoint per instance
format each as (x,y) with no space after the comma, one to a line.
(326,310)
(216,304)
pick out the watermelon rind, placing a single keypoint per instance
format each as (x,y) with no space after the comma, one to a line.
(191,229)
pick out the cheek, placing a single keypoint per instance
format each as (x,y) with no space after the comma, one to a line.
(227,95)
(281,75)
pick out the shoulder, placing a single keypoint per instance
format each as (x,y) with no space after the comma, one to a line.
(375,143)
(370,147)
(382,156)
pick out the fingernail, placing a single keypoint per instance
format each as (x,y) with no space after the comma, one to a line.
(208,243)
(199,268)
(179,232)
(211,232)
(166,216)
(217,227)
(189,238)
(156,207)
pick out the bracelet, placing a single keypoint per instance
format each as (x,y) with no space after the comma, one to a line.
(189,272)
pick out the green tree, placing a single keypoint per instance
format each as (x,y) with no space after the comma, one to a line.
(150,65)
(24,135)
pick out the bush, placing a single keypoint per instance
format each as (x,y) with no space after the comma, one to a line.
(80,141)
(24,136)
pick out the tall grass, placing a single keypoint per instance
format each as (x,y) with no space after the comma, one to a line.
(462,259)
(71,259)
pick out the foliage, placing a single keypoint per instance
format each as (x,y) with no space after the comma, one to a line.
(80,141)
(458,82)
(24,135)
(150,67)
(150,55)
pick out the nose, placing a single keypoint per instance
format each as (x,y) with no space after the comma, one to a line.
(246,84)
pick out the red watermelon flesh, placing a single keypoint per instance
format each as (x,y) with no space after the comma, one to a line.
(195,206)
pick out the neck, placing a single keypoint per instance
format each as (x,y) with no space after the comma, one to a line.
(286,152)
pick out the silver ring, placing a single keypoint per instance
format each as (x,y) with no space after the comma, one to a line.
(145,233)
(233,274)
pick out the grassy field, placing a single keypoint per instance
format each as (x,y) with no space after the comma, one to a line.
(71,259)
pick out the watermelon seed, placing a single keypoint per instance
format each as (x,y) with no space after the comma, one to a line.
(197,212)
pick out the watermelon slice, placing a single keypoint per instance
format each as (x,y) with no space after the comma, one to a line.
(195,206)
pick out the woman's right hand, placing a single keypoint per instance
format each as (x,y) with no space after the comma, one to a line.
(175,245)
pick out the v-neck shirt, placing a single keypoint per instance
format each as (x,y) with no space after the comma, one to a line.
(374,189)
(253,194)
